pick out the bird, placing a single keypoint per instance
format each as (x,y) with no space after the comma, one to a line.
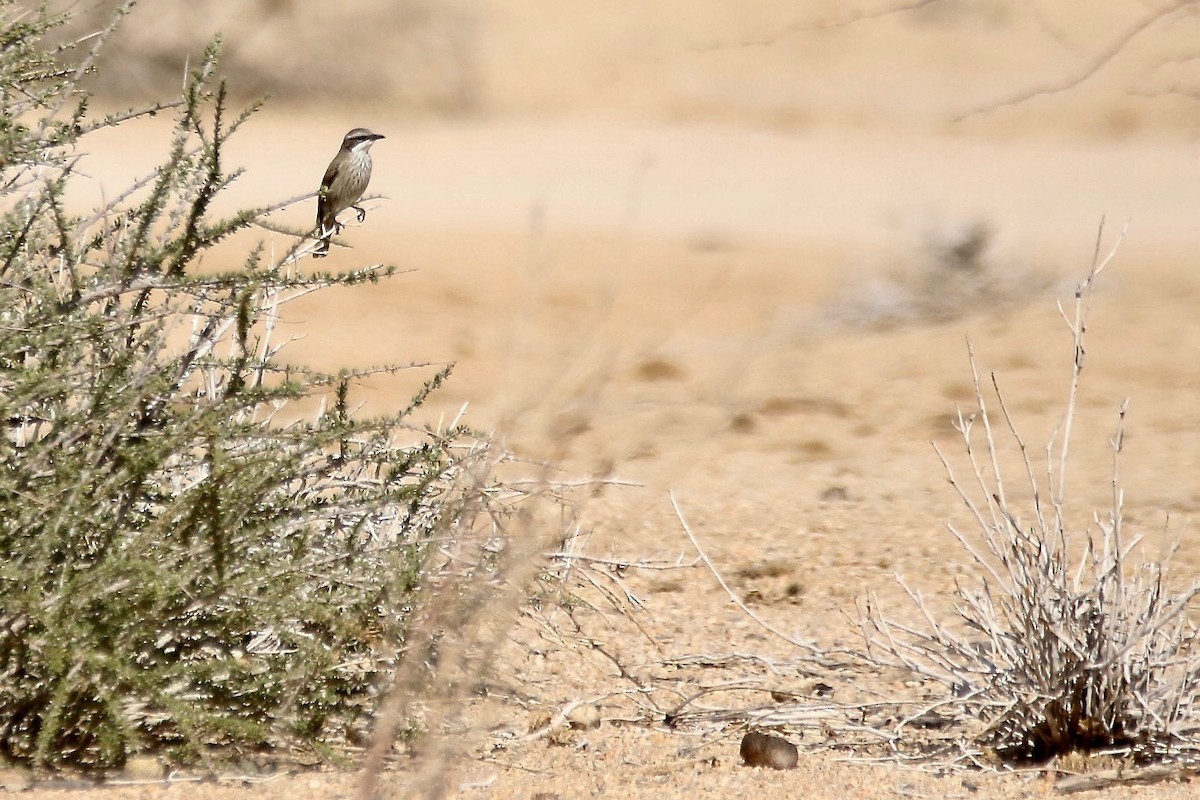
(345,180)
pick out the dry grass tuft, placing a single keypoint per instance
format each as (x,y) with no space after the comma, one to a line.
(953,273)
(1061,641)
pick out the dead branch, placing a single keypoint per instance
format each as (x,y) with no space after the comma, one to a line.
(1155,773)
(1089,68)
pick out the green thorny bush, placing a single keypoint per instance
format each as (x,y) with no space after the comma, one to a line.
(181,568)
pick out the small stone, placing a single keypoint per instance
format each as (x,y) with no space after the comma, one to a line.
(835,494)
(764,750)
(562,736)
(144,768)
(13,779)
(584,717)
(539,720)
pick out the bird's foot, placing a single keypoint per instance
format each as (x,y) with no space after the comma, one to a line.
(362,213)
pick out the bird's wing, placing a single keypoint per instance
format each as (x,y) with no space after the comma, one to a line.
(323,195)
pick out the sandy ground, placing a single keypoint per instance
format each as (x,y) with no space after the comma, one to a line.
(707,290)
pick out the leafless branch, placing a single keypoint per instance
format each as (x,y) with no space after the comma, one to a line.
(1092,66)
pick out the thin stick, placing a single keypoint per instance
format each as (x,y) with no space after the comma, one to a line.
(1084,294)
(1146,775)
(811,648)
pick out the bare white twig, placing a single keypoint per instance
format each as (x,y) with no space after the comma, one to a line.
(808,646)
(1077,648)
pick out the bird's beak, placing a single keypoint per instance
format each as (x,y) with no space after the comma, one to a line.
(379,136)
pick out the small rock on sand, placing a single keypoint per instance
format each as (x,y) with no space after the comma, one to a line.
(764,750)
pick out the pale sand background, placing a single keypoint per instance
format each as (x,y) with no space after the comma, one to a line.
(630,227)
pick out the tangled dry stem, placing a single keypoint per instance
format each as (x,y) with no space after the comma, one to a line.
(1062,641)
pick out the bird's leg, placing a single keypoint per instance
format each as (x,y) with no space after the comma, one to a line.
(362,213)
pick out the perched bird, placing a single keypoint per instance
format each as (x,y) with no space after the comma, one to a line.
(344,183)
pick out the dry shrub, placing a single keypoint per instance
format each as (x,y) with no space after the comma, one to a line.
(1062,641)
(952,273)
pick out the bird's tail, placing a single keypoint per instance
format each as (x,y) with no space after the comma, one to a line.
(324,232)
(322,248)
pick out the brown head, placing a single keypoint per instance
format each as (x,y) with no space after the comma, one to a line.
(360,140)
